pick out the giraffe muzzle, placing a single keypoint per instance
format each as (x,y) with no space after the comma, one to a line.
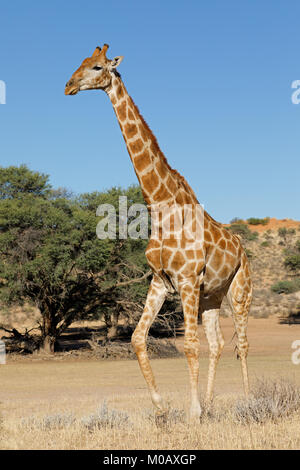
(70,88)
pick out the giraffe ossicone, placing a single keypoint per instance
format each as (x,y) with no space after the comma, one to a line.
(215,265)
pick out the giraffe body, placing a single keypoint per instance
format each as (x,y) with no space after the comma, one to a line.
(202,265)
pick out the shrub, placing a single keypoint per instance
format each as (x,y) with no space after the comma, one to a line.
(282,232)
(268,235)
(256,221)
(270,400)
(292,261)
(265,243)
(244,231)
(252,236)
(286,287)
(292,257)
(50,422)
(105,418)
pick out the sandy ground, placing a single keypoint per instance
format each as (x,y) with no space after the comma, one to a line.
(27,385)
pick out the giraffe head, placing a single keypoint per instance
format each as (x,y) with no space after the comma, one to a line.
(95,72)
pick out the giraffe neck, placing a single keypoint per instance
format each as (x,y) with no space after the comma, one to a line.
(159,182)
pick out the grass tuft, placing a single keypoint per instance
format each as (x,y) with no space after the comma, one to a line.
(50,422)
(105,418)
(270,401)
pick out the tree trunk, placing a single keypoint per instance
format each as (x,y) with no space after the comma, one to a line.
(48,332)
(47,345)
(113,329)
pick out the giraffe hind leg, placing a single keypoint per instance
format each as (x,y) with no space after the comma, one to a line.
(239,297)
(190,293)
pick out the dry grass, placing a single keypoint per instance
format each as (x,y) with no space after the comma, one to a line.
(106,406)
(112,429)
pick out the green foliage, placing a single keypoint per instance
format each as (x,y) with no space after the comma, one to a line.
(282,232)
(265,244)
(15,182)
(244,231)
(256,221)
(292,261)
(239,229)
(268,235)
(51,257)
(292,258)
(286,287)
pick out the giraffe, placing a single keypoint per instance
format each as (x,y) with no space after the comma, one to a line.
(202,270)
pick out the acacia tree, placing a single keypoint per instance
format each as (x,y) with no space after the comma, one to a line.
(125,280)
(50,255)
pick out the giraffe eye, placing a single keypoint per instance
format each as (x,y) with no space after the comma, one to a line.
(97,67)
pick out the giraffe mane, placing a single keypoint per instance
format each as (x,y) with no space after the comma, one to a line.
(175,173)
(182,181)
(116,73)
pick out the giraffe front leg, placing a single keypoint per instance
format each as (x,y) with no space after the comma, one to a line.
(155,298)
(210,309)
(190,293)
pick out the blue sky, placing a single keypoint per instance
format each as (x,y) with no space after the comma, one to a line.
(212,79)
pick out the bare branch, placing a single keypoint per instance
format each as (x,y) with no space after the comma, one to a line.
(132,281)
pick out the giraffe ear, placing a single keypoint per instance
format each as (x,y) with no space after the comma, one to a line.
(116,62)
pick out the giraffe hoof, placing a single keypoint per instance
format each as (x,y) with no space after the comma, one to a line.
(161,418)
(207,411)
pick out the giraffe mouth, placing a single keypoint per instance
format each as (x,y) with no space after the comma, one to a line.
(71,90)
